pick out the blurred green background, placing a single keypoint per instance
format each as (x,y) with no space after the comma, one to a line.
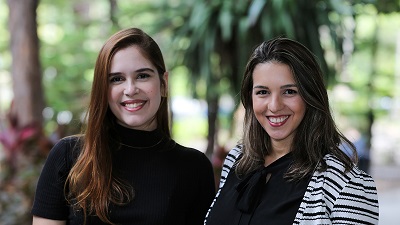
(44,89)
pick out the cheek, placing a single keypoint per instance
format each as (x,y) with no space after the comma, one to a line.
(112,94)
(300,106)
(257,106)
(154,91)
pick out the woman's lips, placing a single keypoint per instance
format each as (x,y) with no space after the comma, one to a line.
(277,121)
(133,105)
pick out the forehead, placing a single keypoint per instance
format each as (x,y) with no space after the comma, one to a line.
(130,58)
(272,73)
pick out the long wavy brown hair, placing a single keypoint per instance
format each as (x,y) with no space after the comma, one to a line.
(91,185)
(317,134)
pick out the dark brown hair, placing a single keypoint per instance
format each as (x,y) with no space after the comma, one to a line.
(317,134)
(91,184)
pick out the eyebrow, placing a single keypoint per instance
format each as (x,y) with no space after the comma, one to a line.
(145,69)
(282,87)
(136,71)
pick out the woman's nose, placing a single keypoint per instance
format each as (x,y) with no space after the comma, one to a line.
(275,103)
(130,89)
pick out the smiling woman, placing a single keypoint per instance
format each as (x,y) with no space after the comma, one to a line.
(289,168)
(277,105)
(125,168)
(135,89)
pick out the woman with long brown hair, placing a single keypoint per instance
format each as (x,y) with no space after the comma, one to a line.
(125,168)
(289,168)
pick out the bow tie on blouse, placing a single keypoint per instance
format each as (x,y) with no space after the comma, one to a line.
(250,189)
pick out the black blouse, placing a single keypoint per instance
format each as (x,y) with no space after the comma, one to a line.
(263,197)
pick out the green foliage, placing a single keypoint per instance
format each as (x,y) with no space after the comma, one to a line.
(183,135)
(206,45)
(370,73)
(71,35)
(215,41)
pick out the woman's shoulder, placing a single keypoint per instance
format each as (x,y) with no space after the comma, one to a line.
(189,152)
(190,160)
(230,160)
(336,173)
(68,143)
(335,164)
(66,149)
(234,154)
(349,194)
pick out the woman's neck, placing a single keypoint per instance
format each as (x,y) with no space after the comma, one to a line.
(279,149)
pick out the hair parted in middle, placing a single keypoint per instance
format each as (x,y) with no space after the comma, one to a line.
(91,183)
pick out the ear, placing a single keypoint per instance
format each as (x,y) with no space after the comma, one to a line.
(164,87)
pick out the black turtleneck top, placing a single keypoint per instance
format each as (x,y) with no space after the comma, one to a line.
(172,184)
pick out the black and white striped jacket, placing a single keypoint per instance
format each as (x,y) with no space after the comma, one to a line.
(332,196)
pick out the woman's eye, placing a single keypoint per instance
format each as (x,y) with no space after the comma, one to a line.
(290,92)
(142,76)
(116,79)
(261,92)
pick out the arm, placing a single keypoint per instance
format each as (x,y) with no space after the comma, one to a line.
(49,201)
(42,221)
(205,192)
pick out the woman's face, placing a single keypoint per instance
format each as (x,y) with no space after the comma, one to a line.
(134,93)
(277,103)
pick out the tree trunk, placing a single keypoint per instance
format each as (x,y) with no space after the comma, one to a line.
(24,136)
(28,100)
(113,13)
(212,124)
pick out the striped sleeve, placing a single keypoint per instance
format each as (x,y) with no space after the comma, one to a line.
(357,202)
(336,197)
(228,163)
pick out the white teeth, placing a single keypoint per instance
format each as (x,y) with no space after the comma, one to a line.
(278,119)
(134,105)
